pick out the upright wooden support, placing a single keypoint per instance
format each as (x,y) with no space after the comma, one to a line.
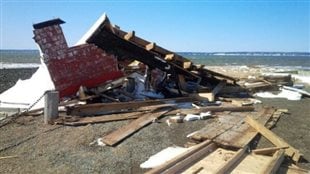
(51,106)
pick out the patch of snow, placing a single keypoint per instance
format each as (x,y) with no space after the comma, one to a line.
(25,92)
(301,78)
(163,156)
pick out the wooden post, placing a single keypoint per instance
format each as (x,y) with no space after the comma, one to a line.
(51,106)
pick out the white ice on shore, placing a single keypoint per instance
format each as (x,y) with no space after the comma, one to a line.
(288,94)
(25,92)
(4,65)
(302,78)
(163,156)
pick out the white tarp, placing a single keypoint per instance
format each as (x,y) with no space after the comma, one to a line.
(25,92)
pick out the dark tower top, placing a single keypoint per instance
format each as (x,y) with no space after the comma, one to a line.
(48,23)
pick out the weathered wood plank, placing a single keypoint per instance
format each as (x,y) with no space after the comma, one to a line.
(232,161)
(273,138)
(242,134)
(125,131)
(275,163)
(102,119)
(213,109)
(100,108)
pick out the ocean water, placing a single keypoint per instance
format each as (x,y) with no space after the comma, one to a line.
(286,61)
(19,59)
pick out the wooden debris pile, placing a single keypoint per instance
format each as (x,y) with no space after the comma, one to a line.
(155,83)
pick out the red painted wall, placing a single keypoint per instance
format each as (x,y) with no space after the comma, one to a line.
(82,65)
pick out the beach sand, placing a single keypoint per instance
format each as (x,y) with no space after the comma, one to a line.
(67,150)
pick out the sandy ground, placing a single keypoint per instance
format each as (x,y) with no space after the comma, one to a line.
(62,149)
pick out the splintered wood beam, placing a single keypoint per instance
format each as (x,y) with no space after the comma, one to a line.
(125,131)
(275,163)
(129,35)
(228,165)
(211,95)
(150,46)
(169,57)
(274,139)
(268,150)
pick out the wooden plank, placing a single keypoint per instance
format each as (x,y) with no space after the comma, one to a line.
(251,163)
(273,138)
(213,109)
(216,128)
(101,108)
(179,158)
(275,163)
(102,119)
(268,150)
(123,132)
(226,167)
(242,134)
(213,73)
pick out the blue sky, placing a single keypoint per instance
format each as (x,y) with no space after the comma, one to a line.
(204,26)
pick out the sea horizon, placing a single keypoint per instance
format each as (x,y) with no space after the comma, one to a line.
(30,58)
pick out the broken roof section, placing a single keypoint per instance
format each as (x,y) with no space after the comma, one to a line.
(127,44)
(105,52)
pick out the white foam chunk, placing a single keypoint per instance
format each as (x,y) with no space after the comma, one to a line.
(163,156)
(25,92)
